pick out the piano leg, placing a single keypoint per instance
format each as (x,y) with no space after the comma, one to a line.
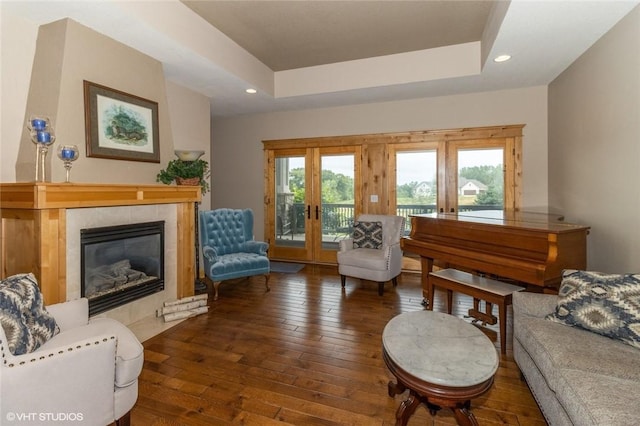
(426,264)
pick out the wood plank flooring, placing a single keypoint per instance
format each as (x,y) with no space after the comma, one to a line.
(306,353)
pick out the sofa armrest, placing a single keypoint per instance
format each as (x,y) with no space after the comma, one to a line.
(393,249)
(31,383)
(72,314)
(533,304)
(394,258)
(346,244)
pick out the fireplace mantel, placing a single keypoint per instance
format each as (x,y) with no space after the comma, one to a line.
(33,231)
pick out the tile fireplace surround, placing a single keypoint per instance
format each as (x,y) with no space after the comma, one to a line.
(41,224)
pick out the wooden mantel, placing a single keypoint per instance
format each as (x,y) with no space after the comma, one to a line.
(33,229)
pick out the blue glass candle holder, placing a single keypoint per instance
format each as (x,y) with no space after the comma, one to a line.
(43,135)
(68,154)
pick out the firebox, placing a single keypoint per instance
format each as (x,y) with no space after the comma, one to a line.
(120,264)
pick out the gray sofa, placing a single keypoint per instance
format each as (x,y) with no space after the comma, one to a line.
(577,377)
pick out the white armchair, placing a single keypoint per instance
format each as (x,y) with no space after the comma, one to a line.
(86,374)
(375,264)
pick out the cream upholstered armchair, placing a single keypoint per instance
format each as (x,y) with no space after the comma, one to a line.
(373,252)
(228,246)
(87,373)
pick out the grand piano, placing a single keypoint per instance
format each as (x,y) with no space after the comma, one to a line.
(530,248)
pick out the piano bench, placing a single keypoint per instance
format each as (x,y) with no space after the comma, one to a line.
(480,288)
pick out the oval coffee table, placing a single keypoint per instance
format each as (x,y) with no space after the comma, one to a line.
(441,359)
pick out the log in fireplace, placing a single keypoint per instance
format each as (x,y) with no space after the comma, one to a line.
(120,264)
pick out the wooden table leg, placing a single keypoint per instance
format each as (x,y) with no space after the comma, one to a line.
(395,388)
(407,408)
(464,416)
(449,301)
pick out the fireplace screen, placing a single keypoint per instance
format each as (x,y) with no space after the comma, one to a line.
(120,264)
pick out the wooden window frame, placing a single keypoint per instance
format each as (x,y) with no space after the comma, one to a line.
(377,174)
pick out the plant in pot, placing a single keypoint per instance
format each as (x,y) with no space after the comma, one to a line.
(186,173)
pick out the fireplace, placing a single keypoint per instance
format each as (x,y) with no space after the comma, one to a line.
(120,264)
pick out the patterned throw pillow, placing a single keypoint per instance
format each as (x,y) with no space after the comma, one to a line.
(607,304)
(25,321)
(367,235)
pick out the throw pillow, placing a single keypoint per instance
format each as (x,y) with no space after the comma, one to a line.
(607,304)
(26,323)
(367,235)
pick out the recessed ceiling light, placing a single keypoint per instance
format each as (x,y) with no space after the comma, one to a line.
(251,91)
(502,58)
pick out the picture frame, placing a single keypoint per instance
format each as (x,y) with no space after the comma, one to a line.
(119,125)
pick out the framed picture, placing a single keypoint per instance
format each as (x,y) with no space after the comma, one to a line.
(119,125)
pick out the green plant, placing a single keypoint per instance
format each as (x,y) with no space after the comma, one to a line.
(185,170)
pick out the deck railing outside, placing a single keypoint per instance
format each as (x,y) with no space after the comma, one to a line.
(337,219)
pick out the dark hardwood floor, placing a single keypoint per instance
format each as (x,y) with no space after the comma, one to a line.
(306,353)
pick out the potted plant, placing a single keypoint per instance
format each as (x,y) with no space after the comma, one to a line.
(186,173)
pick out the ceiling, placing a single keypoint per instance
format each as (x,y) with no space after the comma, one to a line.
(287,35)
(313,54)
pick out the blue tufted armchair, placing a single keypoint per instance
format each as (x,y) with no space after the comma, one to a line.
(228,247)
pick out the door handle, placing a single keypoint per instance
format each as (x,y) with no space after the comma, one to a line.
(308,211)
(317,212)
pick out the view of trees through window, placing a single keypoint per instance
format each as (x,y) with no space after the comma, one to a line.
(480,183)
(336,187)
(491,177)
(315,190)
(425,192)
(480,177)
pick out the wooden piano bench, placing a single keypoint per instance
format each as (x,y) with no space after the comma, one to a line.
(480,288)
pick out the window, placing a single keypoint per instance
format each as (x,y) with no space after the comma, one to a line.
(452,176)
(395,173)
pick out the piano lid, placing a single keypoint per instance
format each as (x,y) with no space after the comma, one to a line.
(508,218)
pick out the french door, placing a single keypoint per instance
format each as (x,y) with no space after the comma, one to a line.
(313,201)
(452,176)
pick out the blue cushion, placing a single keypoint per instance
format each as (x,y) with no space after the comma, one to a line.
(236,265)
(26,323)
(607,304)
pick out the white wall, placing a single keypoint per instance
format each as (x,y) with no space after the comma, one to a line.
(17,48)
(594,146)
(190,115)
(85,54)
(237,156)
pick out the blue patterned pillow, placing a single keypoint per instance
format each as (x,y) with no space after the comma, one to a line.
(25,321)
(607,304)
(367,235)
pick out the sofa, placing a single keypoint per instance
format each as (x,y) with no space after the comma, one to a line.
(58,366)
(578,377)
